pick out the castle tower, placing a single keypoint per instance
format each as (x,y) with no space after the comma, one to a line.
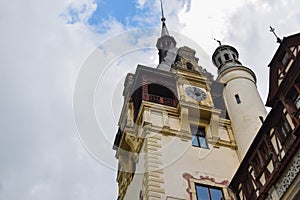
(182,134)
(243,102)
(175,139)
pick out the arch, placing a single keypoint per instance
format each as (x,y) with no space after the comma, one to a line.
(189,66)
(160,90)
(162,95)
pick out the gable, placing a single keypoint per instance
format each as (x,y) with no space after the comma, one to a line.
(281,65)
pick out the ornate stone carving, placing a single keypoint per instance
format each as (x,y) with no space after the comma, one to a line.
(124,178)
(289,176)
(132,141)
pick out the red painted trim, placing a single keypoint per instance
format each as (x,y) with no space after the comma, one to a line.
(188,177)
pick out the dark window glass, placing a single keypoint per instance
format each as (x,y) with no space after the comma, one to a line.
(285,58)
(198,136)
(261,118)
(205,192)
(189,66)
(283,129)
(293,98)
(297,101)
(160,90)
(237,98)
(220,61)
(226,56)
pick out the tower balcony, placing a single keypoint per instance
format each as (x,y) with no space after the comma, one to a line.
(163,100)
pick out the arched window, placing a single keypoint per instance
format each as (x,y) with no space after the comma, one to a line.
(162,95)
(189,66)
(160,90)
(226,56)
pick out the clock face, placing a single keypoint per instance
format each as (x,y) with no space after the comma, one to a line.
(196,93)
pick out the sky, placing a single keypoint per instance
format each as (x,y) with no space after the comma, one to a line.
(63,63)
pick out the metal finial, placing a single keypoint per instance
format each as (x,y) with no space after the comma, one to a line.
(218,41)
(273,31)
(163,19)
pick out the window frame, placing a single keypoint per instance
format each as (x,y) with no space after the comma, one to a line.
(237,99)
(200,136)
(208,188)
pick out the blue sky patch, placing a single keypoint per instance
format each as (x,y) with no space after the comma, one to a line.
(120,10)
(123,11)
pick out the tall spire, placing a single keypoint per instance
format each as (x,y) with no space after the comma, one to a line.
(166,45)
(164,30)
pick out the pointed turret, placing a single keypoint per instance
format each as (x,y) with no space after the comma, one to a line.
(166,46)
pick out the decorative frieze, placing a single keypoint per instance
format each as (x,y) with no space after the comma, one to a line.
(287,179)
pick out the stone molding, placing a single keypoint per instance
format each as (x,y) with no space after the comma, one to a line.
(153,178)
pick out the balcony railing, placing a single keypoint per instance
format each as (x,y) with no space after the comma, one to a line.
(162,100)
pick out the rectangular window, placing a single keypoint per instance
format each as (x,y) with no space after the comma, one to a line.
(293,100)
(283,129)
(297,101)
(237,98)
(198,137)
(285,58)
(261,118)
(205,192)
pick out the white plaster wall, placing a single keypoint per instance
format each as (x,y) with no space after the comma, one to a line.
(218,163)
(223,134)
(244,116)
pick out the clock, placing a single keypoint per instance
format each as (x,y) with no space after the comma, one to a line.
(196,93)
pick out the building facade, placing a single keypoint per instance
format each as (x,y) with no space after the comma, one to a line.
(185,135)
(270,169)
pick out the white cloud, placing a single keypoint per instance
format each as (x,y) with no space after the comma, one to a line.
(79,11)
(141,3)
(41,57)
(244,25)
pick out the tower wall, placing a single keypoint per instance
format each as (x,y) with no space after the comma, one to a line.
(194,166)
(244,105)
(169,167)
